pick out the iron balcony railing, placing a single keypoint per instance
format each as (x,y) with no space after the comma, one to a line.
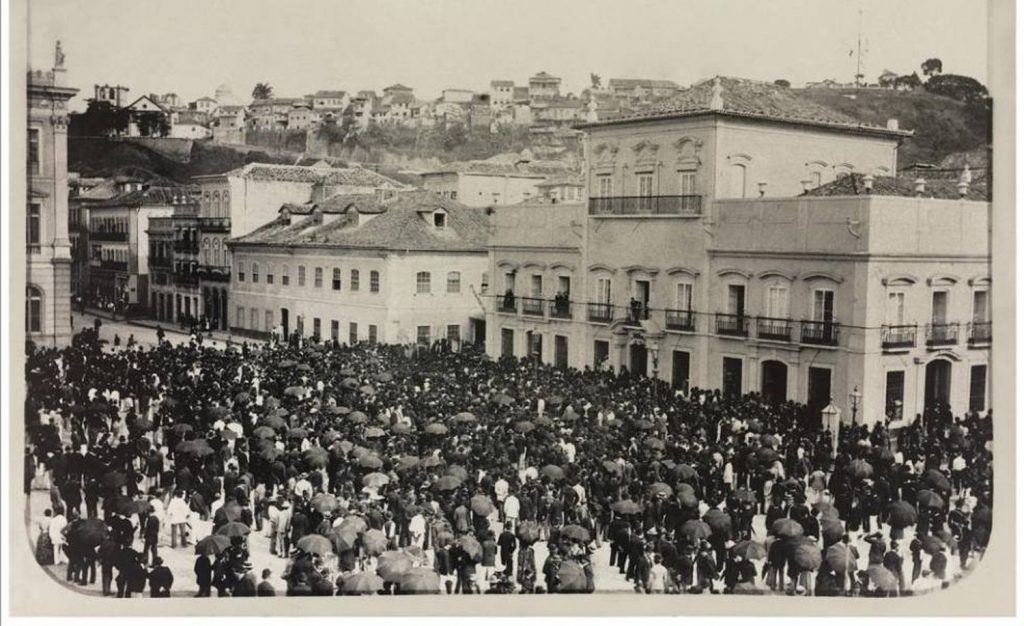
(731,324)
(216,273)
(676,319)
(979,333)
(560,309)
(599,311)
(533,306)
(186,279)
(946,334)
(774,328)
(507,304)
(215,224)
(902,336)
(160,261)
(636,313)
(819,333)
(647,205)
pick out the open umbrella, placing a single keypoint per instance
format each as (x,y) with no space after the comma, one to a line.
(859,468)
(264,432)
(786,527)
(343,538)
(401,428)
(902,514)
(367,390)
(766,456)
(750,550)
(420,580)
(375,542)
(339,410)
(576,532)
(181,428)
(807,557)
(472,547)
(324,502)
(213,544)
(371,462)
(373,432)
(626,507)
(270,453)
(304,367)
(523,426)
(355,522)
(436,429)
(481,505)
(142,425)
(769,441)
(407,462)
(297,433)
(543,421)
(315,544)
(644,424)
(392,565)
(447,483)
(465,417)
(611,466)
(528,531)
(882,578)
(826,510)
(684,473)
(375,480)
(383,377)
(194,448)
(275,422)
(233,529)
(231,512)
(841,558)
(832,530)
(362,584)
(419,556)
(502,399)
(936,480)
(719,521)
(286,364)
(358,417)
(571,577)
(932,544)
(659,489)
(695,530)
(654,443)
(87,533)
(295,391)
(316,458)
(242,397)
(928,499)
(745,495)
(114,480)
(553,472)
(431,461)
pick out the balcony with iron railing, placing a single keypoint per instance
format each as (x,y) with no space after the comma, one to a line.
(676,319)
(215,273)
(899,337)
(636,313)
(979,333)
(215,224)
(190,279)
(160,262)
(560,309)
(945,334)
(600,311)
(533,306)
(819,333)
(731,325)
(774,328)
(687,206)
(507,303)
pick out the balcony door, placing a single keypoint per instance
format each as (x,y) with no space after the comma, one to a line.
(980,313)
(823,305)
(736,300)
(940,304)
(536,286)
(819,389)
(681,370)
(777,301)
(642,292)
(774,380)
(937,377)
(645,191)
(638,359)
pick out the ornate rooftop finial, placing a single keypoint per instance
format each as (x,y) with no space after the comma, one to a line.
(58,60)
(716,103)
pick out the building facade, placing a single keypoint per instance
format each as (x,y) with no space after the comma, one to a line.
(48,244)
(174,262)
(406,269)
(480,185)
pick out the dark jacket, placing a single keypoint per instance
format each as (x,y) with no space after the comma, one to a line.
(160,581)
(265,589)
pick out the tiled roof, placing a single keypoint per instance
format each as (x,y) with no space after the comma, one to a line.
(398,87)
(489,168)
(749,98)
(355,176)
(502,83)
(399,225)
(630,83)
(564,179)
(150,196)
(324,93)
(853,185)
(544,76)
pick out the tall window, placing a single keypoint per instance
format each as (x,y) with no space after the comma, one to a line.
(688,182)
(823,305)
(336,279)
(454,282)
(318,277)
(374,281)
(684,296)
(268,320)
(604,290)
(33,310)
(604,186)
(270,274)
(33,151)
(353,333)
(422,282)
(240,316)
(423,335)
(32,234)
(980,313)
(335,330)
(897,307)
(254,318)
(894,382)
(285,275)
(976,401)
(645,189)
(454,335)
(776,300)
(354,280)
(940,302)
(255,272)
(536,285)
(302,276)
(510,281)
(316,327)
(371,333)
(738,181)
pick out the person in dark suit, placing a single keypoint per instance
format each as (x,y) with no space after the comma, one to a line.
(507,546)
(245,585)
(265,588)
(443,566)
(151,536)
(109,552)
(893,562)
(160,579)
(204,575)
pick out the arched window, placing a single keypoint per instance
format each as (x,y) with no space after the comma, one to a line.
(206,250)
(454,282)
(225,204)
(216,252)
(33,309)
(216,203)
(738,180)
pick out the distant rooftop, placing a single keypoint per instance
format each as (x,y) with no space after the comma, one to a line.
(355,176)
(853,185)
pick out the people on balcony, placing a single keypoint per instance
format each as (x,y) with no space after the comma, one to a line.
(509,301)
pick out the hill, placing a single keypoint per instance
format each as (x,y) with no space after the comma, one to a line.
(942,126)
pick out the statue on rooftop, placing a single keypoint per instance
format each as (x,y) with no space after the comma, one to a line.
(58,61)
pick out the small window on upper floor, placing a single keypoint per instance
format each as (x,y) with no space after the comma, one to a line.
(440,219)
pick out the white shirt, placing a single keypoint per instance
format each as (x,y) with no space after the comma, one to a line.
(512,506)
(501,489)
(177,511)
(417,525)
(57,526)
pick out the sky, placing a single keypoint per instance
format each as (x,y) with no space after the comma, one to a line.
(190,47)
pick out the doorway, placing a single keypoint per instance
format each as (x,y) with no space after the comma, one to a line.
(561,351)
(937,377)
(285,328)
(732,376)
(681,370)
(774,378)
(507,342)
(819,389)
(638,359)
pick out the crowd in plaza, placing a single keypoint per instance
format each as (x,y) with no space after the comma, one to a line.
(376,469)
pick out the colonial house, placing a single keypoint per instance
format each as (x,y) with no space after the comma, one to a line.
(563,188)
(480,184)
(147,117)
(363,267)
(302,117)
(327,99)
(746,239)
(642,88)
(544,85)
(229,124)
(174,267)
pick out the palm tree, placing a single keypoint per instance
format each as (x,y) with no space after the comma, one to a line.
(262,91)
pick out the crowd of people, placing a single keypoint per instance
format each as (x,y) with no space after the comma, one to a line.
(375,469)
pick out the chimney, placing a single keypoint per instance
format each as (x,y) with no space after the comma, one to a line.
(869,183)
(961,187)
(919,187)
(892,124)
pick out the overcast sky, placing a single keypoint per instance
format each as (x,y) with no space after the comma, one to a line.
(298,46)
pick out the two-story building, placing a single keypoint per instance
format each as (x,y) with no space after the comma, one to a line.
(174,267)
(477,183)
(399,267)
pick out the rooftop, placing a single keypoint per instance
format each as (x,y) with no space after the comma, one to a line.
(399,224)
(398,87)
(742,97)
(147,196)
(946,189)
(324,93)
(641,82)
(355,176)
(544,76)
(502,83)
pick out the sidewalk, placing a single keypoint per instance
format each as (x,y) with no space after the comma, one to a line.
(168,327)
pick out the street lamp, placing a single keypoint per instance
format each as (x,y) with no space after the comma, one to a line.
(830,418)
(855,397)
(655,352)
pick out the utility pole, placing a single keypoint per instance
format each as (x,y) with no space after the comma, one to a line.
(859,76)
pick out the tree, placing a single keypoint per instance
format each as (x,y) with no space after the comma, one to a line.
(909,82)
(962,88)
(782,82)
(99,119)
(262,91)
(931,67)
(152,124)
(595,81)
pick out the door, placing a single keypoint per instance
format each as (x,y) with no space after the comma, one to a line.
(737,298)
(285,328)
(643,296)
(507,342)
(479,332)
(561,351)
(774,377)
(936,383)
(681,370)
(819,389)
(600,354)
(638,359)
(732,376)
(940,300)
(223,308)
